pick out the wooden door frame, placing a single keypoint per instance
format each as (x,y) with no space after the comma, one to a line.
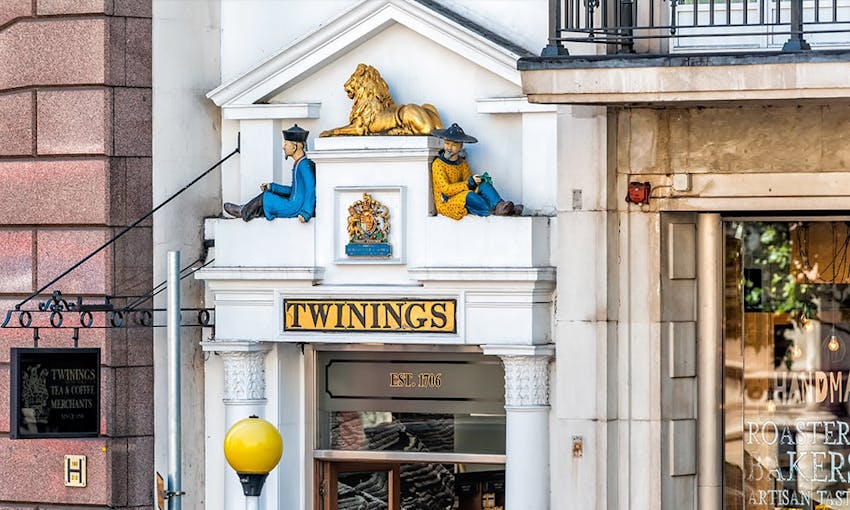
(327,476)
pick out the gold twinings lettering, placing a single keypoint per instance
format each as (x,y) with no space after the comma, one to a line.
(390,316)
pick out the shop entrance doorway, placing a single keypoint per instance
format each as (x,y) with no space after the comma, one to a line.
(786,364)
(409,430)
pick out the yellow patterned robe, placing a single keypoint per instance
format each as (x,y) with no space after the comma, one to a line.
(450,187)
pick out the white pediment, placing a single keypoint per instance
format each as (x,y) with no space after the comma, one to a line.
(358,25)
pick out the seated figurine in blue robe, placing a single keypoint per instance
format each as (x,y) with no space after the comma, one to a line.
(278,201)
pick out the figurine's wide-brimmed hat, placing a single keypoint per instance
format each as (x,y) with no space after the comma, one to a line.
(454,134)
(295,134)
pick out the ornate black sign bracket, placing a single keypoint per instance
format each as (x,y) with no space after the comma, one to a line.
(57,312)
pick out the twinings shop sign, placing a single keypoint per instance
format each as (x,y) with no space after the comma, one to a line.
(55,392)
(371,315)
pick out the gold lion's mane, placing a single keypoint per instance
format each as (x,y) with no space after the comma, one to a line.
(375,97)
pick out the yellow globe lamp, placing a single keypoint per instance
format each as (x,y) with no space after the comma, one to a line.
(252,447)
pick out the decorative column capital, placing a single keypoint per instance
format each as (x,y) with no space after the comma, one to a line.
(244,369)
(526,381)
(526,373)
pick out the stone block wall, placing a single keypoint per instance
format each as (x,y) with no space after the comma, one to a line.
(678,361)
(75,167)
(805,138)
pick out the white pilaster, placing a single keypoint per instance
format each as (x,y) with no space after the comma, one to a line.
(540,160)
(244,395)
(527,423)
(710,372)
(260,155)
(586,322)
(540,149)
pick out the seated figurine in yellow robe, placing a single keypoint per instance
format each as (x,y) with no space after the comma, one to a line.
(457,191)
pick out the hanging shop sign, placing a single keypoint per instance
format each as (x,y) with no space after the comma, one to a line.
(370,315)
(55,393)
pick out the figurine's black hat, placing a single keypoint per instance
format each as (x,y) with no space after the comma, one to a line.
(453,134)
(295,134)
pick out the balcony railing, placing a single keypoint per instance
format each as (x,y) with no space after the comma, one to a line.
(661,26)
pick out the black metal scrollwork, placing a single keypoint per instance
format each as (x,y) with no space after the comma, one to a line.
(143,317)
(204,317)
(56,303)
(86,319)
(115,318)
(25,319)
(56,306)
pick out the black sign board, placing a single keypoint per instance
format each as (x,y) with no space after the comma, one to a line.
(55,393)
(420,383)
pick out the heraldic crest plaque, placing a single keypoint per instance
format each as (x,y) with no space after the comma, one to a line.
(368,229)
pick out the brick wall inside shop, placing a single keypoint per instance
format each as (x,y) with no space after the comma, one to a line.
(75,166)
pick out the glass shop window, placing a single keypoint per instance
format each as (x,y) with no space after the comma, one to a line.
(439,403)
(786,365)
(410,431)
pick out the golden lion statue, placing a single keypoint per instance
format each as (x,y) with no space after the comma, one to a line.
(375,113)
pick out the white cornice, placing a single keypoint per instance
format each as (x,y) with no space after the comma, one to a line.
(272,111)
(349,30)
(261,273)
(483,274)
(678,85)
(513,105)
(235,346)
(547,350)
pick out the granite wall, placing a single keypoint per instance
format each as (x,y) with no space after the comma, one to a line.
(75,166)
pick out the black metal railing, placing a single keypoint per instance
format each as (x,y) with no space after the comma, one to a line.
(628,26)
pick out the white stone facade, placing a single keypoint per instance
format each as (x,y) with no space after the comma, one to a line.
(592,304)
(498,271)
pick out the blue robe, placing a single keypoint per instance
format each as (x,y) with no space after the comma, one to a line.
(299,199)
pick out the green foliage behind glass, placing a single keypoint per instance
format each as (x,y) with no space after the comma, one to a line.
(767,247)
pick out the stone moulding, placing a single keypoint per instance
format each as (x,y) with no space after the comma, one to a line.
(360,23)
